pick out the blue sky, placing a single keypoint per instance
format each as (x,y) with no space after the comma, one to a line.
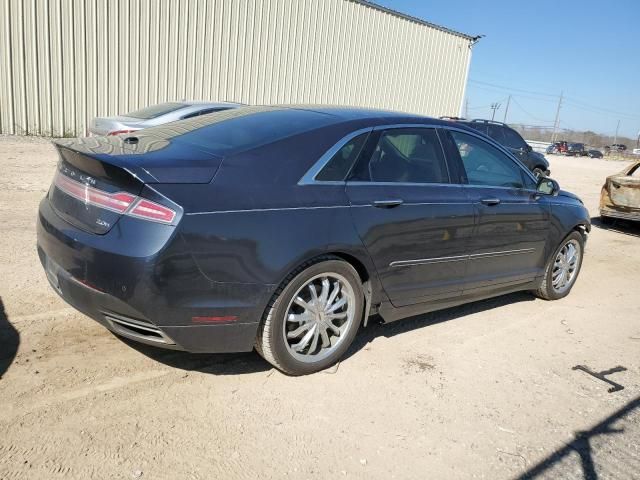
(535,49)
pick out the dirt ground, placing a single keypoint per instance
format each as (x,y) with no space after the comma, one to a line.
(481,391)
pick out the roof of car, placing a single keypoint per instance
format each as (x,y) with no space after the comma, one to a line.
(193,103)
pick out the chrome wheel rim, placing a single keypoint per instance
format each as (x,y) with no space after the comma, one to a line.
(565,266)
(318,317)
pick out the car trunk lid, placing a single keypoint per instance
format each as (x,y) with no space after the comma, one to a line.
(100,179)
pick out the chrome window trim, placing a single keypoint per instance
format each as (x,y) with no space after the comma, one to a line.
(309,178)
(459,258)
(495,144)
(403,184)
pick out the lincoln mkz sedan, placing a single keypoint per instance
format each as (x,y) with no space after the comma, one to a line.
(285,228)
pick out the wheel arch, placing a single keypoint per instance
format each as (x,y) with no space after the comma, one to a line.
(359,261)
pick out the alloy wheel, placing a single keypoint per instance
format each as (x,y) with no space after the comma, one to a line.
(318,317)
(565,266)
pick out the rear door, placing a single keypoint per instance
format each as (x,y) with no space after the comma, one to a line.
(509,242)
(415,223)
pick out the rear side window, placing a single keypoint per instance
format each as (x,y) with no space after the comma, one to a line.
(155,111)
(512,139)
(205,111)
(485,164)
(497,133)
(241,129)
(338,167)
(405,155)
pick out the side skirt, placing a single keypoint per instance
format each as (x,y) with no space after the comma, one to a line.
(389,313)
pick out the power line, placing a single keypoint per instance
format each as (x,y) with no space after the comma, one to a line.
(494,90)
(513,99)
(512,88)
(575,103)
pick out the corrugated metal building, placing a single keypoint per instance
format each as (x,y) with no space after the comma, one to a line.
(63,62)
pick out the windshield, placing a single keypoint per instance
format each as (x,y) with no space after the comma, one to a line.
(155,111)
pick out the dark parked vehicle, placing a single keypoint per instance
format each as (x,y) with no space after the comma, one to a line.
(509,138)
(618,147)
(284,229)
(577,150)
(594,153)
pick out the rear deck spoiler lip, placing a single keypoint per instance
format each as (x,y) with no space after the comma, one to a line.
(197,166)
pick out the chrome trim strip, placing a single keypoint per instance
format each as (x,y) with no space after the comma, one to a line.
(459,258)
(268,209)
(425,261)
(504,253)
(359,183)
(121,326)
(309,178)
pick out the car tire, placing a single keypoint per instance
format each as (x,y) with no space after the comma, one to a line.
(299,347)
(551,286)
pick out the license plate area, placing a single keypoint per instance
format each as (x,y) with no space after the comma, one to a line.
(52,269)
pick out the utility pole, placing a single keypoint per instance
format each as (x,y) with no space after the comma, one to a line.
(615,139)
(556,121)
(494,107)
(506,110)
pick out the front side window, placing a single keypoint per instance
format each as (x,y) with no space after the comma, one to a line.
(405,155)
(337,168)
(485,164)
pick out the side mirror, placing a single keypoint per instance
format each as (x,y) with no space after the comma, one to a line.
(547,186)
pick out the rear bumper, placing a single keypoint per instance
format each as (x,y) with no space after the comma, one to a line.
(153,296)
(623,215)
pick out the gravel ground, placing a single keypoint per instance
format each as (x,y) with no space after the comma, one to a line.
(486,390)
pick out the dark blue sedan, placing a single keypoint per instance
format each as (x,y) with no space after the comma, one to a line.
(285,228)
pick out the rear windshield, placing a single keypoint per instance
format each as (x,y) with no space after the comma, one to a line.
(241,129)
(155,111)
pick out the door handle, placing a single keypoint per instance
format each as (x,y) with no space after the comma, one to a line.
(490,201)
(388,203)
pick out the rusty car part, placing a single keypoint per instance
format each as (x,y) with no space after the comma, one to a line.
(620,195)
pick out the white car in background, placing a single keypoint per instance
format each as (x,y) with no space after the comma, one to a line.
(155,115)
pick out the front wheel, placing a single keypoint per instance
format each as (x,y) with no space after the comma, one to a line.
(562,269)
(313,317)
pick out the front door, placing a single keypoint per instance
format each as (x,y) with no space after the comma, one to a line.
(510,239)
(414,222)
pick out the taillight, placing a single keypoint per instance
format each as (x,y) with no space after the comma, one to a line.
(118,132)
(120,202)
(152,211)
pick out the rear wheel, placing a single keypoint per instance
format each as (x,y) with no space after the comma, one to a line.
(562,268)
(313,317)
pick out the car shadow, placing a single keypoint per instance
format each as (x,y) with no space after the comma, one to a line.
(9,341)
(377,328)
(592,449)
(625,227)
(251,362)
(212,363)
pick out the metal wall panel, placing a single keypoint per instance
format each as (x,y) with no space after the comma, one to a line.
(63,62)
